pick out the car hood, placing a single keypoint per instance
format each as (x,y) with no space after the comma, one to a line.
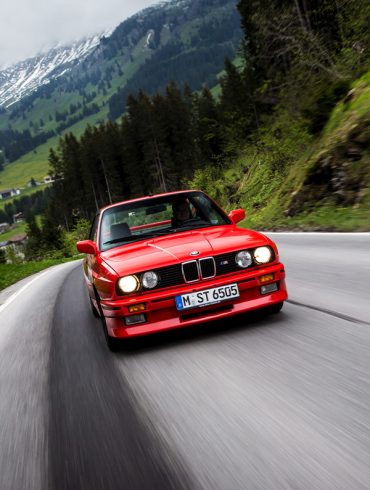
(177,248)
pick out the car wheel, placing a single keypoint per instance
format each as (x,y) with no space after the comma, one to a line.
(113,344)
(275,308)
(95,312)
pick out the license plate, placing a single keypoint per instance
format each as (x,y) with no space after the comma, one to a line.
(207,297)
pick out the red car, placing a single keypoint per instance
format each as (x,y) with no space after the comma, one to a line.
(176,259)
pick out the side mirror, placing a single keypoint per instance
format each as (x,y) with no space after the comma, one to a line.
(87,247)
(237,215)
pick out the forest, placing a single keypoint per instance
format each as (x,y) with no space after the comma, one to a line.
(16,143)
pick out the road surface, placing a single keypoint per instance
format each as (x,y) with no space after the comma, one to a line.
(252,402)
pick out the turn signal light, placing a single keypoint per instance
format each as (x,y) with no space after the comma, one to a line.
(266,278)
(136,308)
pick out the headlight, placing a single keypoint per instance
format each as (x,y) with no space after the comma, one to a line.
(243,259)
(128,284)
(262,255)
(149,279)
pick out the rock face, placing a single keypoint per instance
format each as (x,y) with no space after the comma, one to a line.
(339,174)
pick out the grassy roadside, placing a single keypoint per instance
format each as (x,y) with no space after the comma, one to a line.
(306,198)
(12,273)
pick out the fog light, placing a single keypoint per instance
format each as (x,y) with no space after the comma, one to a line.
(269,288)
(136,308)
(134,319)
(266,278)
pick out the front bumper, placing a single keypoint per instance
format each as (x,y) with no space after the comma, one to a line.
(160,308)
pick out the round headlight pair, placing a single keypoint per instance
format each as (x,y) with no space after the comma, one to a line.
(130,284)
(261,255)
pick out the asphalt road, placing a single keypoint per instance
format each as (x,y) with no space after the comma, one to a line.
(253,402)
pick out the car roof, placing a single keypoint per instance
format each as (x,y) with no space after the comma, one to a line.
(153,196)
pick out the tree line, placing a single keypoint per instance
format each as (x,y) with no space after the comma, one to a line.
(14,143)
(157,146)
(34,204)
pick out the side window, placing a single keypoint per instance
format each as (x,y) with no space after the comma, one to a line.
(94,229)
(208,210)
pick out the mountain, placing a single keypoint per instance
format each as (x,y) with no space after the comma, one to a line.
(19,80)
(185,41)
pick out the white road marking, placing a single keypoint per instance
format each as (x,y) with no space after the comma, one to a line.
(15,295)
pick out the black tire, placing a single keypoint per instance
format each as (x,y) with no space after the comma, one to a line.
(276,308)
(113,344)
(94,311)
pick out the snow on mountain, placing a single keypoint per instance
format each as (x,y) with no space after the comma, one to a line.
(26,76)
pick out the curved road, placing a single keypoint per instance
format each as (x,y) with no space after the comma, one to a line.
(254,402)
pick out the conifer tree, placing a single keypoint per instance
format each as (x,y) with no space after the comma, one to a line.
(34,245)
(135,133)
(207,127)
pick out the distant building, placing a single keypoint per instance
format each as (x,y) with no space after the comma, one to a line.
(32,183)
(18,218)
(48,179)
(9,193)
(16,243)
(4,227)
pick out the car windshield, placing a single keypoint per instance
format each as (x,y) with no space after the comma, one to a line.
(158,216)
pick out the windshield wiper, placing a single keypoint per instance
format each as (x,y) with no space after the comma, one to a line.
(194,224)
(133,238)
(186,226)
(130,238)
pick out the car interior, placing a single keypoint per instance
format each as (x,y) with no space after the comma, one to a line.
(119,230)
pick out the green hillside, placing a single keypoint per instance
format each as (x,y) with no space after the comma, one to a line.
(157,41)
(35,163)
(291,180)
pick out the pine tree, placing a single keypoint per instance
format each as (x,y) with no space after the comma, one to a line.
(207,124)
(237,104)
(133,129)
(34,245)
(51,233)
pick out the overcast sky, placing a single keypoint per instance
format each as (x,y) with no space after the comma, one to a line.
(28,26)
